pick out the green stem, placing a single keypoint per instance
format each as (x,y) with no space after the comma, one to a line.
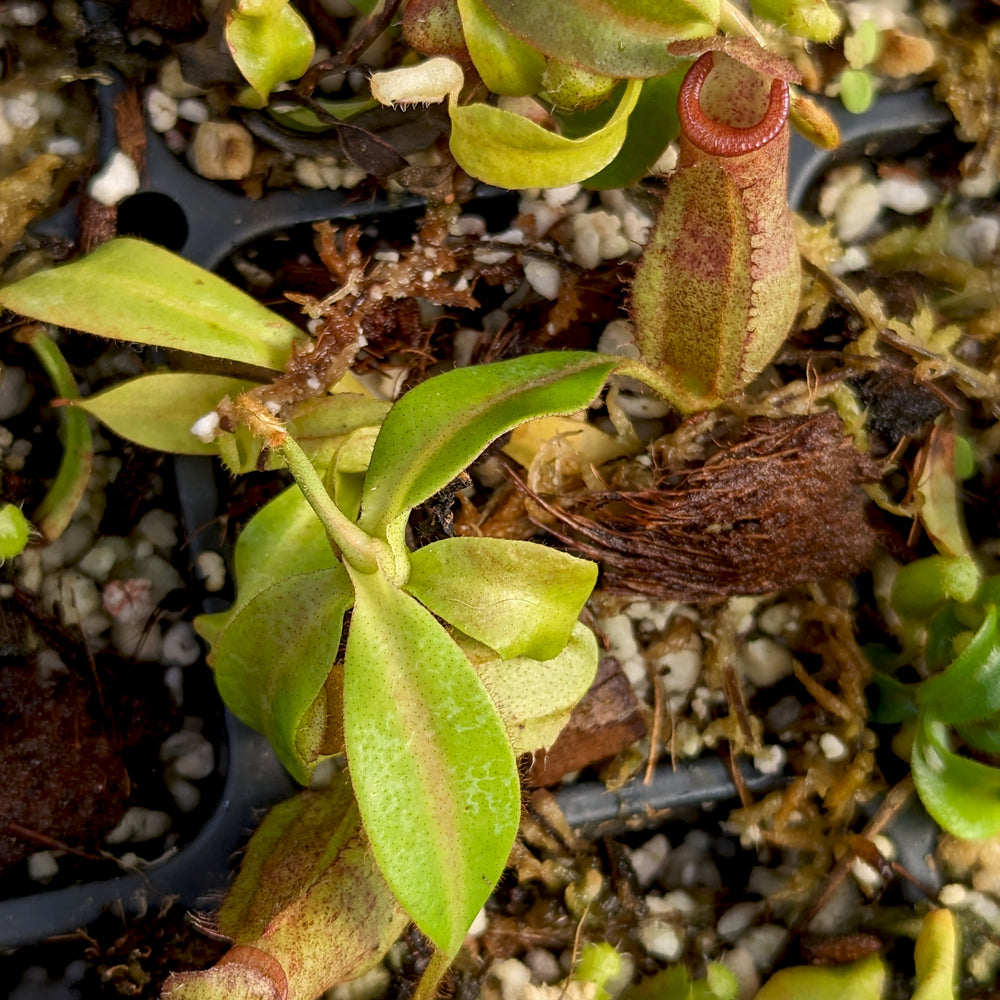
(358,549)
(56,510)
(430,981)
(734,22)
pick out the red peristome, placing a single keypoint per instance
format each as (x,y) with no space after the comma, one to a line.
(719,138)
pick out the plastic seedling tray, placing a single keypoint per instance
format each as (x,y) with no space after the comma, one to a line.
(206,222)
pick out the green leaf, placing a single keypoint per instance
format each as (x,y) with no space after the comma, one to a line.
(284,538)
(720,982)
(937,496)
(936,957)
(861,980)
(158,411)
(983,735)
(535,698)
(274,657)
(506,64)
(672,983)
(619,39)
(433,770)
(652,126)
(348,468)
(811,19)
(923,585)
(442,425)
(15,530)
(270,44)
(969,689)
(896,701)
(148,295)
(519,598)
(857,90)
(308,897)
(508,150)
(962,795)
(305,119)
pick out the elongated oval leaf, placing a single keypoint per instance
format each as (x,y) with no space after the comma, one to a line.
(326,416)
(962,795)
(284,538)
(860,980)
(619,39)
(442,425)
(273,658)
(969,688)
(519,598)
(131,290)
(508,150)
(983,735)
(432,768)
(506,64)
(269,46)
(535,698)
(936,956)
(157,411)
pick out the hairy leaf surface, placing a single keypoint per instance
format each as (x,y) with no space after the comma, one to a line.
(152,296)
(962,795)
(535,698)
(432,767)
(506,63)
(273,659)
(270,43)
(608,36)
(969,689)
(508,150)
(519,598)
(284,538)
(158,411)
(442,425)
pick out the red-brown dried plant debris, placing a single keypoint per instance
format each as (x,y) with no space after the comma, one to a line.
(778,505)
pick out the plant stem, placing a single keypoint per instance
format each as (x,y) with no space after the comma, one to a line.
(53,514)
(734,22)
(430,981)
(357,548)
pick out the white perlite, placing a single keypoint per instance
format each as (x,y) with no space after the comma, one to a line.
(763,662)
(212,567)
(857,211)
(189,754)
(115,181)
(206,427)
(906,195)
(770,759)
(180,645)
(661,940)
(833,747)
(513,976)
(649,859)
(544,277)
(139,824)
(42,865)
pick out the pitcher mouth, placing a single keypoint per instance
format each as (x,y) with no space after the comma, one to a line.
(718,138)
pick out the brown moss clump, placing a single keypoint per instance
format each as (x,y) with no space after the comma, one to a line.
(779,505)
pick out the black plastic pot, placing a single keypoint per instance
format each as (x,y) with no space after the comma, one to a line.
(206,222)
